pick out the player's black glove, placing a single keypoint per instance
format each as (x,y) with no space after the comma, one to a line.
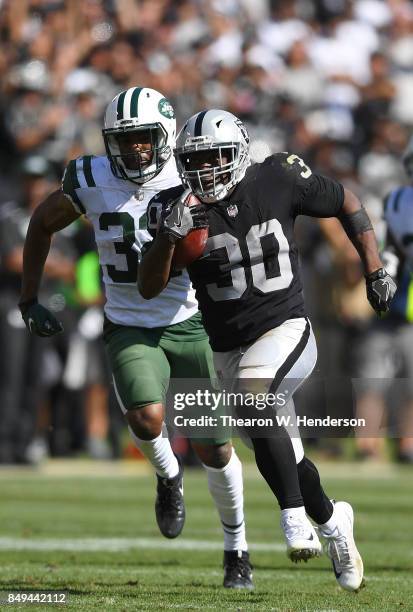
(380,290)
(179,219)
(39,320)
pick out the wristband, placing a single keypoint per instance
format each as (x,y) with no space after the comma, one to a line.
(356,222)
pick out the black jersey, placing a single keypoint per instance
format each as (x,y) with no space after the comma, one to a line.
(248,280)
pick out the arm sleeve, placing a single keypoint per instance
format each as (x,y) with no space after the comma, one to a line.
(318,196)
(311,194)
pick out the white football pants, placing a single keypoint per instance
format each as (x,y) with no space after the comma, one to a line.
(284,356)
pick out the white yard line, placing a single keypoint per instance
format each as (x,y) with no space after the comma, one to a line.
(122,544)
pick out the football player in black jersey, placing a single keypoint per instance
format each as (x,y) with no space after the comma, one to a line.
(250,294)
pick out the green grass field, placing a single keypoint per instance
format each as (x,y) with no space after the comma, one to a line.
(95,536)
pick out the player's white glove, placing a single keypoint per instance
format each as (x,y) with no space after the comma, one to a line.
(380,290)
(179,219)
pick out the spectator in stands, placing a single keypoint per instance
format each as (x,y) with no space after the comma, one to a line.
(332,79)
(21,387)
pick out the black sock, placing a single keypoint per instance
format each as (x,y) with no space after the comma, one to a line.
(275,460)
(317,504)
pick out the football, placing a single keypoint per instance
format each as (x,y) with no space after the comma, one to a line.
(192,246)
(189,248)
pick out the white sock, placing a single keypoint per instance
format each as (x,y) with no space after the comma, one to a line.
(158,452)
(226,488)
(331,524)
(298,513)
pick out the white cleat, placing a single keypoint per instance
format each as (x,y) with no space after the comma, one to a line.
(300,536)
(342,550)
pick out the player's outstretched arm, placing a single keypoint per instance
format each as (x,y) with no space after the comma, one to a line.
(358,227)
(52,215)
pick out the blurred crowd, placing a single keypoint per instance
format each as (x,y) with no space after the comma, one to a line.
(329,80)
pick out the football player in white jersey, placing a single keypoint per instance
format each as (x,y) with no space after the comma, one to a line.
(147,342)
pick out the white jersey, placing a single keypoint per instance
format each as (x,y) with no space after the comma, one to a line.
(398,213)
(117,210)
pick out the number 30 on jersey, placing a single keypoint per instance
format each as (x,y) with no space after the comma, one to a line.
(256,256)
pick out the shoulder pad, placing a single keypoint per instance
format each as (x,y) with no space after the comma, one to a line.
(292,163)
(286,165)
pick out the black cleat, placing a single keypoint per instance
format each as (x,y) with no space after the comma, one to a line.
(169,505)
(237,570)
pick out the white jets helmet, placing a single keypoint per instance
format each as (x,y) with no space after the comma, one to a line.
(408,158)
(137,110)
(212,153)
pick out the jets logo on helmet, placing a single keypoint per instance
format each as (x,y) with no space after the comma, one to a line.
(139,133)
(212,153)
(166,108)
